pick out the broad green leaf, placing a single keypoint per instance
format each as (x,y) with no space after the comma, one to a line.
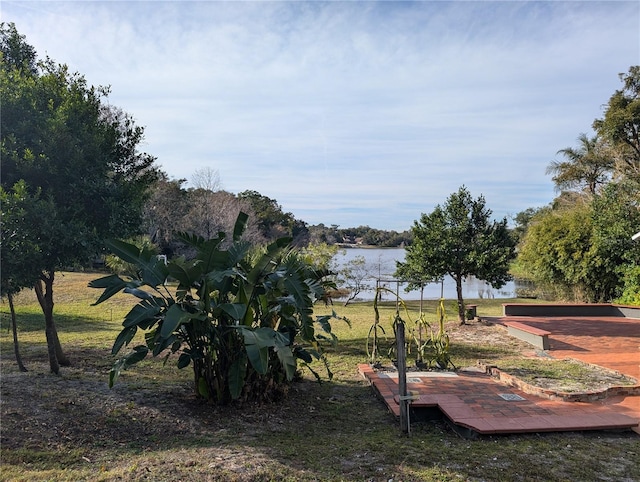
(154,271)
(185,272)
(138,293)
(203,389)
(303,354)
(239,227)
(220,276)
(143,311)
(112,285)
(124,338)
(236,311)
(273,250)
(298,289)
(263,336)
(257,342)
(287,360)
(106,281)
(237,373)
(238,251)
(127,252)
(162,344)
(212,257)
(139,353)
(184,360)
(307,333)
(259,358)
(173,318)
(249,312)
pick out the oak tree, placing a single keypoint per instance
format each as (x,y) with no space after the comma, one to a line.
(61,137)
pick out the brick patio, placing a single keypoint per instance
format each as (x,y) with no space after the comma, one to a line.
(476,403)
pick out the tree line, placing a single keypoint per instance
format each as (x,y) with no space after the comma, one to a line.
(206,208)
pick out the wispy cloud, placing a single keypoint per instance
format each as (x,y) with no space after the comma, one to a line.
(358,112)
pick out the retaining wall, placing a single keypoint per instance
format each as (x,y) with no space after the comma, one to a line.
(582,309)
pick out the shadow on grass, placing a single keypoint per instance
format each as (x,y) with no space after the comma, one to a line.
(329,431)
(34,321)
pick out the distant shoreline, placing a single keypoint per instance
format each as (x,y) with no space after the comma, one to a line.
(365,246)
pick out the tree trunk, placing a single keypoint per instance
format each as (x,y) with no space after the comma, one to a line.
(15,333)
(45,298)
(461,312)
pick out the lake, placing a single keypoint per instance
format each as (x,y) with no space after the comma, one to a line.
(382,264)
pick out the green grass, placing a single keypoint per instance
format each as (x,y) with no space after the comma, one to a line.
(150,427)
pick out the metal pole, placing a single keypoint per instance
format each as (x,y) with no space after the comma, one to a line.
(402,380)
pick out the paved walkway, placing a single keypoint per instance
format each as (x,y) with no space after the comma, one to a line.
(478,404)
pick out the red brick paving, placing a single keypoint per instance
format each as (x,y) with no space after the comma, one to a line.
(472,400)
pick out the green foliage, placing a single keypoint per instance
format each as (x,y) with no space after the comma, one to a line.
(522,221)
(459,240)
(631,287)
(17,54)
(273,222)
(556,249)
(119,266)
(62,138)
(76,153)
(320,255)
(586,168)
(435,350)
(23,249)
(621,124)
(581,248)
(616,217)
(584,251)
(360,235)
(432,352)
(241,321)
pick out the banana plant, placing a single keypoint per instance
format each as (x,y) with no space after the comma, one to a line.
(243,320)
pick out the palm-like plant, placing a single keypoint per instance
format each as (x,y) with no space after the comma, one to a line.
(586,167)
(242,321)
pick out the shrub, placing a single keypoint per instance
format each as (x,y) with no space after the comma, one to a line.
(241,320)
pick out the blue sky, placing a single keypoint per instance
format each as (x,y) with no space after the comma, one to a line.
(351,113)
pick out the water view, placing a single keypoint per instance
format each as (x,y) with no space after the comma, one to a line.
(381,263)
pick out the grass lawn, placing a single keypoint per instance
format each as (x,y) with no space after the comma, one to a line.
(150,426)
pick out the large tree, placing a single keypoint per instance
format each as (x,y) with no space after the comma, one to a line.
(273,222)
(164,213)
(586,168)
(61,137)
(458,239)
(620,125)
(211,212)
